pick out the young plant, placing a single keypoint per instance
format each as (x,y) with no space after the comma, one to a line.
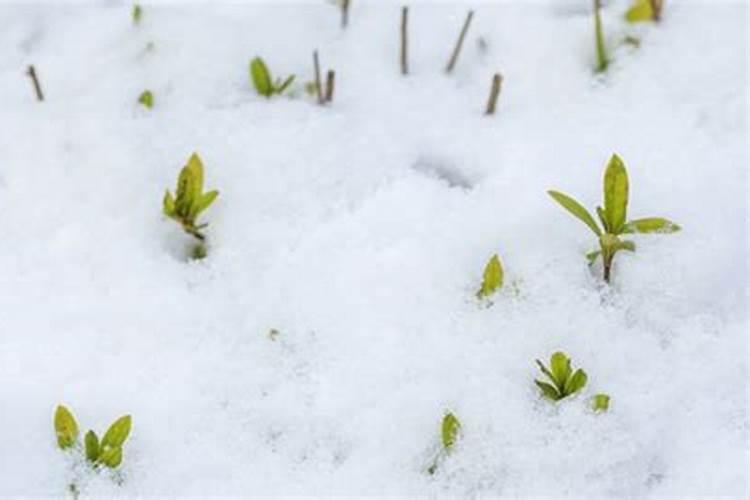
(613,217)
(644,10)
(263,81)
(600,402)
(136,13)
(107,452)
(190,199)
(146,98)
(602,61)
(492,280)
(565,382)
(450,431)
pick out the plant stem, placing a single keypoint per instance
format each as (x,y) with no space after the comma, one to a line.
(497,81)
(344,13)
(459,42)
(656,6)
(318,85)
(601,51)
(404,33)
(31,71)
(330,78)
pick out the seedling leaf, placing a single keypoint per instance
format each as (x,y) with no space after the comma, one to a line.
(146,98)
(600,402)
(548,390)
(615,194)
(207,199)
(576,382)
(492,277)
(576,209)
(592,256)
(136,14)
(651,225)
(281,88)
(449,431)
(66,427)
(640,11)
(91,442)
(117,433)
(559,365)
(111,457)
(261,77)
(168,204)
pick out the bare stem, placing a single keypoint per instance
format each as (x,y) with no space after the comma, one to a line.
(404,33)
(344,13)
(318,85)
(459,42)
(330,78)
(497,81)
(31,71)
(656,6)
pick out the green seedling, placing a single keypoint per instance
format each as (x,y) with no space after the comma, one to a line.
(613,217)
(450,432)
(190,199)
(107,452)
(492,280)
(644,10)
(602,61)
(263,81)
(565,382)
(136,13)
(600,402)
(146,98)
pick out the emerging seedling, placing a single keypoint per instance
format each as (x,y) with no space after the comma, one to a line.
(600,402)
(136,14)
(450,430)
(146,98)
(263,81)
(107,452)
(564,381)
(602,61)
(613,217)
(190,199)
(492,280)
(644,10)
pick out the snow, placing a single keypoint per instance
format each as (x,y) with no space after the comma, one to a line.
(359,231)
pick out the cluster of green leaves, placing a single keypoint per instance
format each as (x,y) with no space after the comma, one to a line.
(146,98)
(565,381)
(106,452)
(263,82)
(613,217)
(190,199)
(644,10)
(492,279)
(450,431)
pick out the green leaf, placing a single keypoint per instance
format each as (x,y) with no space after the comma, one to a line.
(625,245)
(492,278)
(66,427)
(651,225)
(640,11)
(546,371)
(281,88)
(449,431)
(576,209)
(92,446)
(195,165)
(548,390)
(602,61)
(111,457)
(602,218)
(136,14)
(147,99)
(261,77)
(117,433)
(592,256)
(206,200)
(576,382)
(615,194)
(559,365)
(184,199)
(168,204)
(600,402)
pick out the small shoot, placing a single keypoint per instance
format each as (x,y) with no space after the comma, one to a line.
(613,217)
(190,200)
(146,99)
(564,382)
(107,452)
(450,432)
(263,81)
(602,61)
(644,10)
(600,402)
(136,14)
(492,280)
(66,428)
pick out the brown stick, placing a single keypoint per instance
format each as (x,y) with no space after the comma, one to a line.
(330,77)
(459,42)
(404,33)
(318,86)
(31,71)
(497,81)
(656,6)
(344,13)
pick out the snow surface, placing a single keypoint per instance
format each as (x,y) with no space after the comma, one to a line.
(359,231)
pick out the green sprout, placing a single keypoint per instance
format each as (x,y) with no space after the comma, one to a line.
(492,279)
(263,81)
(565,382)
(136,13)
(613,217)
(107,452)
(600,402)
(602,61)
(644,10)
(146,98)
(190,199)
(450,432)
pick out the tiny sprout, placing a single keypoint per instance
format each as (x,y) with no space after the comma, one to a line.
(66,428)
(146,98)
(190,199)
(613,217)
(602,61)
(644,10)
(263,81)
(600,402)
(136,13)
(492,279)
(565,382)
(450,432)
(107,452)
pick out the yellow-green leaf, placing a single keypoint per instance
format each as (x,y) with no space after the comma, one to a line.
(493,277)
(147,99)
(640,11)
(651,225)
(66,427)
(91,442)
(261,77)
(559,365)
(136,14)
(615,194)
(576,382)
(576,209)
(548,390)
(195,165)
(168,204)
(449,431)
(111,457)
(600,402)
(117,433)
(207,199)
